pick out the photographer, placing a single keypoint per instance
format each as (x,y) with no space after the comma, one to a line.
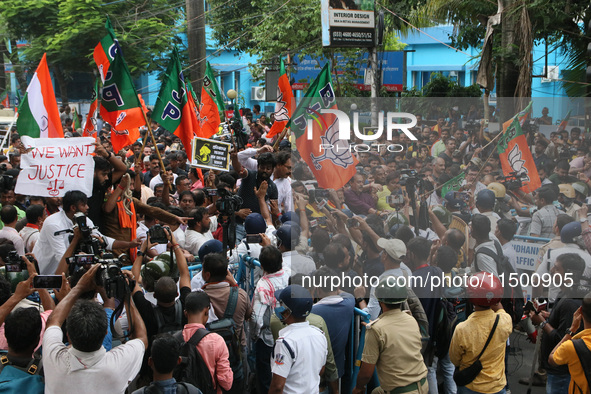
(165,290)
(9,217)
(86,367)
(51,247)
(250,180)
(199,230)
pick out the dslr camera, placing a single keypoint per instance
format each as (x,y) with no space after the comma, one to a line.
(157,234)
(110,277)
(14,262)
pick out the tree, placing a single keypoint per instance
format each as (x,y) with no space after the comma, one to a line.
(269,29)
(520,24)
(68,30)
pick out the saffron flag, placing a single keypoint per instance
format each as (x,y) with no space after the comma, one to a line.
(38,115)
(76,121)
(333,167)
(516,157)
(90,125)
(173,110)
(120,105)
(453,185)
(521,116)
(211,104)
(564,123)
(284,105)
(4,99)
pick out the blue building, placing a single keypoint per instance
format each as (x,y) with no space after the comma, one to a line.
(431,52)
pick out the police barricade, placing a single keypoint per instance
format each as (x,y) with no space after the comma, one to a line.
(527,249)
(244,273)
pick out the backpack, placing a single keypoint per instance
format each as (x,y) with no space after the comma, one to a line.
(17,380)
(192,368)
(181,388)
(175,325)
(512,301)
(446,321)
(584,355)
(224,327)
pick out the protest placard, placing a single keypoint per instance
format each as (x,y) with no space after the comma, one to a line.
(53,166)
(211,154)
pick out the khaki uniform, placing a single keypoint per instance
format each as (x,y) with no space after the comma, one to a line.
(393,344)
(555,243)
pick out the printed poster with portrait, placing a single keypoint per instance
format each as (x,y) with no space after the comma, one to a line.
(211,154)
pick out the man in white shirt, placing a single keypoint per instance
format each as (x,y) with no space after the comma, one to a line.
(9,217)
(281,177)
(505,232)
(288,237)
(301,349)
(568,234)
(199,230)
(85,366)
(53,238)
(158,178)
(36,215)
(480,229)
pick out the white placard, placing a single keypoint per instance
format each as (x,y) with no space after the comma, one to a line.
(54,166)
(527,254)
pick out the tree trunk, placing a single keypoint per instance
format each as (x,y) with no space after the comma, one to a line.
(508,72)
(61,81)
(196,41)
(18,67)
(3,55)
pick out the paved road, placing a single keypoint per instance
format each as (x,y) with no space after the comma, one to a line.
(519,366)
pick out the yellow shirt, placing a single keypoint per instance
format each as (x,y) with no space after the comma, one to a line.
(566,354)
(469,339)
(382,205)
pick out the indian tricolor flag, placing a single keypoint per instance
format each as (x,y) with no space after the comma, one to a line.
(38,116)
(285,103)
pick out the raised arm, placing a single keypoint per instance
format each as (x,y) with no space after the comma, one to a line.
(261,192)
(111,203)
(119,167)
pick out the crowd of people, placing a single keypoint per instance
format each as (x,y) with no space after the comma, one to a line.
(283,264)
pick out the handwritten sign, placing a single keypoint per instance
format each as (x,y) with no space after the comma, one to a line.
(211,154)
(54,166)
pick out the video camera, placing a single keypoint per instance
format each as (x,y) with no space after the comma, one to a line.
(513,181)
(109,275)
(411,176)
(227,203)
(88,244)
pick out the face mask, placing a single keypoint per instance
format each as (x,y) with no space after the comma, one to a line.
(279,311)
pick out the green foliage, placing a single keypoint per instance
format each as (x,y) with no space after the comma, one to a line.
(68,30)
(441,86)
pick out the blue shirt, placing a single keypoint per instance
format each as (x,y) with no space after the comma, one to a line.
(337,312)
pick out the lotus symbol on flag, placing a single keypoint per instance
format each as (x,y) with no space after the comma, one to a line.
(281,113)
(120,132)
(339,154)
(517,163)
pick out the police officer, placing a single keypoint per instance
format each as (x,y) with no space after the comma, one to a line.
(393,346)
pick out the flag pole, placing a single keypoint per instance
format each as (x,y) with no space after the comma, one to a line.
(163,169)
(281,136)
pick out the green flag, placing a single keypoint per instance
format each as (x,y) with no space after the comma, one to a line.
(173,109)
(453,184)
